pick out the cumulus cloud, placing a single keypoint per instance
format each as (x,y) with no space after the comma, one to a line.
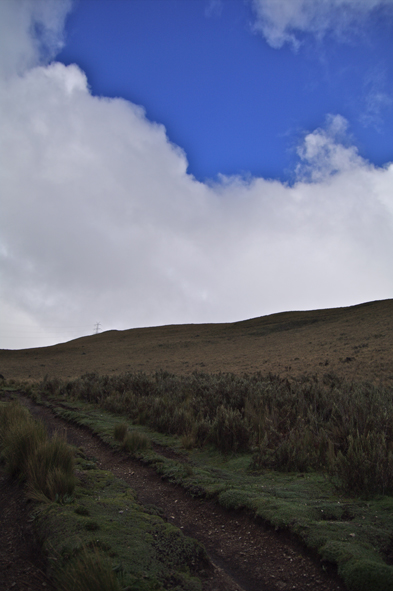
(324,152)
(281,21)
(102,222)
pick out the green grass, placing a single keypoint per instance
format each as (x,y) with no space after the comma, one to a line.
(353,532)
(98,537)
(47,465)
(136,441)
(91,571)
(305,423)
(50,471)
(106,524)
(120,431)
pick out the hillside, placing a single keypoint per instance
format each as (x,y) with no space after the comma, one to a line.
(354,342)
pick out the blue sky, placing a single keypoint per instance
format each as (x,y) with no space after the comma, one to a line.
(231,101)
(181,161)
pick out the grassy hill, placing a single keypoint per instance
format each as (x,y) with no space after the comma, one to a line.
(354,342)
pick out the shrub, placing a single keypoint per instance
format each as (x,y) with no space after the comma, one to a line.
(367,466)
(229,432)
(290,424)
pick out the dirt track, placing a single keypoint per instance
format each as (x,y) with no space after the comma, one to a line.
(245,555)
(22,567)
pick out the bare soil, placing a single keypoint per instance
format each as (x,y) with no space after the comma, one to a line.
(22,566)
(355,343)
(245,555)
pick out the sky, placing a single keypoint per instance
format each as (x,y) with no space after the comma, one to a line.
(191,161)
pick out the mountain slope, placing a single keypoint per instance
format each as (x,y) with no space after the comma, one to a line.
(355,342)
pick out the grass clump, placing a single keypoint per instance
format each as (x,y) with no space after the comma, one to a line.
(50,470)
(366,575)
(134,442)
(47,465)
(92,571)
(367,466)
(120,431)
(20,436)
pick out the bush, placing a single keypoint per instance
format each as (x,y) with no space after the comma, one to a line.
(367,466)
(298,424)
(229,432)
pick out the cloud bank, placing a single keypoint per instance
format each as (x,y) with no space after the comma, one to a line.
(100,220)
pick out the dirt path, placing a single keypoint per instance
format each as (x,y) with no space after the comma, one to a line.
(22,567)
(245,555)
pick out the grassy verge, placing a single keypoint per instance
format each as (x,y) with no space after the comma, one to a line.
(107,522)
(354,533)
(96,536)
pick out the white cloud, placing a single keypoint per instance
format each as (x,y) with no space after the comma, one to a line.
(30,32)
(101,222)
(322,154)
(281,21)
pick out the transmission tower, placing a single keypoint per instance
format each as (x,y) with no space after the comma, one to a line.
(97,327)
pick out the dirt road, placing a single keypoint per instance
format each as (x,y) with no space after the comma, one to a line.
(245,555)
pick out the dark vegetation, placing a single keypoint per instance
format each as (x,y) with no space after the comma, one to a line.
(96,535)
(299,448)
(349,527)
(304,424)
(47,465)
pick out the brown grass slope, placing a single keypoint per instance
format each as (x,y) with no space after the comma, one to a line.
(354,342)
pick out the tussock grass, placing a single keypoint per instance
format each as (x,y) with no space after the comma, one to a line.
(135,441)
(47,465)
(303,424)
(20,437)
(348,531)
(120,431)
(11,414)
(91,571)
(50,470)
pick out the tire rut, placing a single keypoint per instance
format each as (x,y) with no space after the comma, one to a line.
(245,555)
